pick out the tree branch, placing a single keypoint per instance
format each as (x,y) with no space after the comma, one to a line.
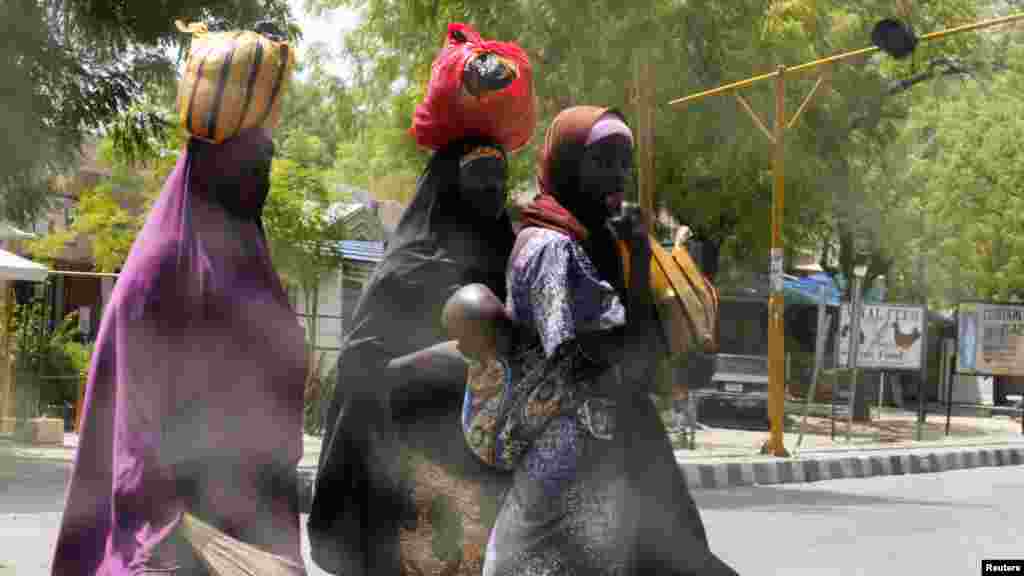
(937,68)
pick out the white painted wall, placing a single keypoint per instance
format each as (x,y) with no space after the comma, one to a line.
(329,333)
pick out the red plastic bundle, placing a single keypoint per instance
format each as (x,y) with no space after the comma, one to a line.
(477,88)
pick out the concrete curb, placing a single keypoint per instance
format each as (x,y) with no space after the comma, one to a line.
(818,467)
(811,467)
(808,466)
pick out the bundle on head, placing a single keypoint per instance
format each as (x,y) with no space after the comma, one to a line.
(233,81)
(478,88)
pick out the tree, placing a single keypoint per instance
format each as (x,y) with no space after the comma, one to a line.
(72,66)
(712,171)
(111,214)
(303,235)
(962,180)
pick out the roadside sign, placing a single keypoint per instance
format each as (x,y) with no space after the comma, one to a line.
(891,336)
(990,339)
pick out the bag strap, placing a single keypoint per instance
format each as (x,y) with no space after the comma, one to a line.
(195,28)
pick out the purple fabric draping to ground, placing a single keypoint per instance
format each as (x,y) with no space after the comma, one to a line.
(194,397)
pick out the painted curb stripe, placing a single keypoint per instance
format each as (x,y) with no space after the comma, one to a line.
(816,470)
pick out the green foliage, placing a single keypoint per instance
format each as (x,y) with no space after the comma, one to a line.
(47,364)
(76,65)
(713,167)
(961,180)
(691,46)
(110,228)
(112,213)
(315,407)
(298,224)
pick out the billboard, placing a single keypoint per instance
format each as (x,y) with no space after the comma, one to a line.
(990,339)
(891,336)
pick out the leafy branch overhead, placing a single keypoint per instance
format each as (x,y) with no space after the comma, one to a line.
(72,66)
(712,171)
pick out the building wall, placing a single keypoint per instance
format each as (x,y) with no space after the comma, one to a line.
(329,327)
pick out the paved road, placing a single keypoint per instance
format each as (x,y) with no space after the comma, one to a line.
(929,524)
(934,524)
(31,500)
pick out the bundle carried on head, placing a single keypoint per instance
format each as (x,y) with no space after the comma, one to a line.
(478,88)
(233,81)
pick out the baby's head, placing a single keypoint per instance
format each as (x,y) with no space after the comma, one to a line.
(475,317)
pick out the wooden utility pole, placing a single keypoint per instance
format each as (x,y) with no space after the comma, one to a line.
(642,101)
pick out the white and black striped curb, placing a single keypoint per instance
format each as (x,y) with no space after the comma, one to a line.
(841,466)
(809,468)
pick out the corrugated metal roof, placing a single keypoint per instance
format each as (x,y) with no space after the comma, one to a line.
(362,250)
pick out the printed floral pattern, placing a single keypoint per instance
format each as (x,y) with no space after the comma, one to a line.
(486,390)
(554,287)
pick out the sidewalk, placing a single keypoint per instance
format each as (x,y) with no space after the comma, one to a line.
(725,457)
(66,452)
(722,458)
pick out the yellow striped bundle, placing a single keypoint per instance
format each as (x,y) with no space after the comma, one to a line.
(233,81)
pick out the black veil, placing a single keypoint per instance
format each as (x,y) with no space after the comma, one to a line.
(440,244)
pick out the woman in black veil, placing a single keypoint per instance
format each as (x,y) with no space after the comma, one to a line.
(454,232)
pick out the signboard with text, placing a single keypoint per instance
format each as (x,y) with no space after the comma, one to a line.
(891,336)
(990,339)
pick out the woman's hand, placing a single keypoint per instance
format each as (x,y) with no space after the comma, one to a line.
(632,226)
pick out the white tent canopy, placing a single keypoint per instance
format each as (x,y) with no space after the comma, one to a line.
(14,267)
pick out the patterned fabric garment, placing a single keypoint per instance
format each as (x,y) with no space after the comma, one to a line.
(582,501)
(563,514)
(487,388)
(557,423)
(502,415)
(554,287)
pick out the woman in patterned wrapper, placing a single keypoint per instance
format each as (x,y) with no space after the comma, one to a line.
(596,489)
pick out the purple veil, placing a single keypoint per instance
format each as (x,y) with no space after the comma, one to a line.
(194,395)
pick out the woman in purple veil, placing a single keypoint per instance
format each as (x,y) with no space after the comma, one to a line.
(195,390)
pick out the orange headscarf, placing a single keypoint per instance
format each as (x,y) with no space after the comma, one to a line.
(560,206)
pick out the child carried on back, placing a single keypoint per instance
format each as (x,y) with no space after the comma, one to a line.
(475,317)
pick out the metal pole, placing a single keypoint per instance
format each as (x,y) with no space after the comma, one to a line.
(845,55)
(952,365)
(776,303)
(819,359)
(78,274)
(837,372)
(949,396)
(855,312)
(881,392)
(645,139)
(922,378)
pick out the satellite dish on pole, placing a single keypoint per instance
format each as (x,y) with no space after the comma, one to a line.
(894,37)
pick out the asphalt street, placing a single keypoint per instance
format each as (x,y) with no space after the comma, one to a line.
(934,524)
(31,500)
(927,524)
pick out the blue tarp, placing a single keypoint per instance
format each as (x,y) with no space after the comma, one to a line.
(808,290)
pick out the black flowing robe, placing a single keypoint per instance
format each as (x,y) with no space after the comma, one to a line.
(359,498)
